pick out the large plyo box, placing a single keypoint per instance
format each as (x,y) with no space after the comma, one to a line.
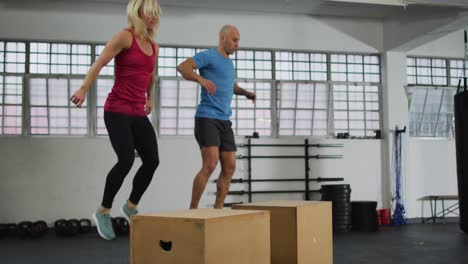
(201,236)
(301,231)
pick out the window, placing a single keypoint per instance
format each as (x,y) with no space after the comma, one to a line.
(11,105)
(248,117)
(456,71)
(303,109)
(355,68)
(427,71)
(12,68)
(356,109)
(178,101)
(431,111)
(250,64)
(57,58)
(12,57)
(50,111)
(299,93)
(301,66)
(303,106)
(170,57)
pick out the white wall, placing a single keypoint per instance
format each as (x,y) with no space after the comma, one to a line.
(64,177)
(199,28)
(450,46)
(431,170)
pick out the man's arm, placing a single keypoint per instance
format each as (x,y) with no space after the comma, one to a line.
(187,70)
(240,91)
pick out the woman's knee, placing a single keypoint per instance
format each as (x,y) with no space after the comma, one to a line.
(151,163)
(126,163)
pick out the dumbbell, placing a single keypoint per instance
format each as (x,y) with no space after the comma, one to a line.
(85,226)
(67,227)
(29,229)
(120,225)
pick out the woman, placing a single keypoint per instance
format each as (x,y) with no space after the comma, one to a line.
(127,107)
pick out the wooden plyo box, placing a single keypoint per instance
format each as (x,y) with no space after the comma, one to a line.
(201,236)
(301,231)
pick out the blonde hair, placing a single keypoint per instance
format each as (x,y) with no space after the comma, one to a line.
(150,8)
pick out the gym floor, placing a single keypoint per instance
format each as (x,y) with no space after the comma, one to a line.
(437,243)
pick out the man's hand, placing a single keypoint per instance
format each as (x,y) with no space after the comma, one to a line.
(209,86)
(251,96)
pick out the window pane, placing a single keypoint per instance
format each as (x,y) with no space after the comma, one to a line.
(178,102)
(301,66)
(303,109)
(13,58)
(51,112)
(356,109)
(427,71)
(249,117)
(11,100)
(431,112)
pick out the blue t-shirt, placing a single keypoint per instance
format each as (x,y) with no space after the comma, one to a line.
(220,70)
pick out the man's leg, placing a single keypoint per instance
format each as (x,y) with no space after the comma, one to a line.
(228,167)
(210,157)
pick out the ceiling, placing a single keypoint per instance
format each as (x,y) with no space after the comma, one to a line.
(373,9)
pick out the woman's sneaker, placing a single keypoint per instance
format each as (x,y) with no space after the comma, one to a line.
(127,212)
(104,225)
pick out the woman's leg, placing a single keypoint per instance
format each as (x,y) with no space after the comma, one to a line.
(147,147)
(120,135)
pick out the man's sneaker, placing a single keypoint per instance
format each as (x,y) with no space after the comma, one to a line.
(104,225)
(127,212)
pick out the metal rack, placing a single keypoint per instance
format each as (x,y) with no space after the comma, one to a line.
(249,157)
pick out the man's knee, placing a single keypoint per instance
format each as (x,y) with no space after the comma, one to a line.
(209,166)
(228,170)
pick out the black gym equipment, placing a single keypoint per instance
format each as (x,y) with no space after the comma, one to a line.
(3,230)
(8,230)
(67,228)
(12,229)
(364,216)
(284,180)
(38,229)
(85,226)
(24,228)
(461,137)
(120,225)
(306,157)
(340,196)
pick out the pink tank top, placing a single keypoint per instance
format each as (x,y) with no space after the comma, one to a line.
(133,70)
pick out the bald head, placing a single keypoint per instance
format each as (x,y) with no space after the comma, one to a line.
(229,39)
(227,29)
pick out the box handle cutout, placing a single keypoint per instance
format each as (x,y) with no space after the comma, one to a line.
(166,246)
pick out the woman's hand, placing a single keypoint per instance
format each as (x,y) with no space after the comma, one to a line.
(149,106)
(78,97)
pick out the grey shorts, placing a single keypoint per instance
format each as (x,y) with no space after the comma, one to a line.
(213,132)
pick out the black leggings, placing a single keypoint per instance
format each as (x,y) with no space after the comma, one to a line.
(126,134)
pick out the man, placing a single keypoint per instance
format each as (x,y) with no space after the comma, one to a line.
(213,129)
